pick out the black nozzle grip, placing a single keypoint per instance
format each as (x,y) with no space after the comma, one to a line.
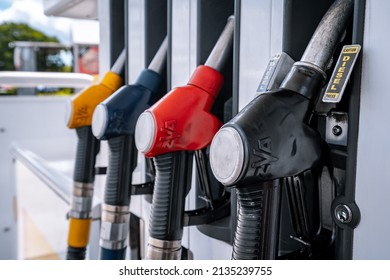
(87,149)
(170,189)
(257,231)
(122,161)
(76,253)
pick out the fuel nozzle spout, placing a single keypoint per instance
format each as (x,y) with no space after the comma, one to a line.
(119,63)
(307,75)
(222,49)
(327,35)
(158,62)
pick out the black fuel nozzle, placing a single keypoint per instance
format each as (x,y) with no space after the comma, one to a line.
(271,139)
(114,120)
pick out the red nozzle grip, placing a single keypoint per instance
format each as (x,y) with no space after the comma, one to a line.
(182,116)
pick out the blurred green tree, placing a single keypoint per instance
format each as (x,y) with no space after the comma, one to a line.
(48,60)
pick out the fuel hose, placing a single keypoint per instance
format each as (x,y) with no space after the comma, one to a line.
(79,115)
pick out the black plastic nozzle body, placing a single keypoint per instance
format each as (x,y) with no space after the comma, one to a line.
(278,142)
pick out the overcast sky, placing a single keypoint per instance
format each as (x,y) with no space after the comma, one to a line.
(31,12)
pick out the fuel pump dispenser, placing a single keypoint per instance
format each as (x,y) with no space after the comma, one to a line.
(79,116)
(271,143)
(170,131)
(114,120)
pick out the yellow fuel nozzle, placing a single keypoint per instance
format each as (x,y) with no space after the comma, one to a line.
(81,106)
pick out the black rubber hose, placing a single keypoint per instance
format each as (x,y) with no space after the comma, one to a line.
(257,231)
(122,161)
(76,253)
(173,175)
(84,172)
(87,149)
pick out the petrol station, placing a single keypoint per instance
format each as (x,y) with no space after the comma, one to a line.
(216,130)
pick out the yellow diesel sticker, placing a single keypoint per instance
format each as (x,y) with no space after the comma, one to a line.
(351,49)
(341,73)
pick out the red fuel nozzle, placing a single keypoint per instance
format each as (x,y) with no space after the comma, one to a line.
(181,120)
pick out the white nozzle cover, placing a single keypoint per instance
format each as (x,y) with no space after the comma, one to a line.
(227,155)
(145,132)
(99,121)
(68,111)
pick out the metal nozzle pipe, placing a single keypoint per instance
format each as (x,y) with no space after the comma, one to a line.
(222,48)
(119,63)
(328,34)
(158,62)
(319,51)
